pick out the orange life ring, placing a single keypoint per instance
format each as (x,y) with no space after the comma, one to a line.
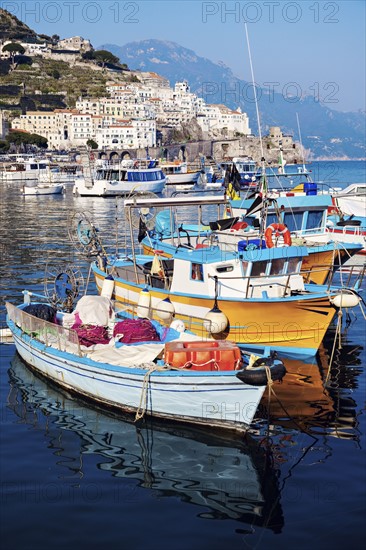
(279,229)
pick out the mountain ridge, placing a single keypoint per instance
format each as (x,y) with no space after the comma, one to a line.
(326,133)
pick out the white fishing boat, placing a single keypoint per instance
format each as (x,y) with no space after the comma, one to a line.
(43,189)
(24,169)
(177,173)
(173,375)
(107,179)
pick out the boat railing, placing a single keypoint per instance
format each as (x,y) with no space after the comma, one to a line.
(355,230)
(351,276)
(50,334)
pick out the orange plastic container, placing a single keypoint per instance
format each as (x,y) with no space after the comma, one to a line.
(202,355)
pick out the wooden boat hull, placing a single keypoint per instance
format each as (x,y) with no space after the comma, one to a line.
(213,398)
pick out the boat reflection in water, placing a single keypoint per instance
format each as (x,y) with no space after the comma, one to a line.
(228,479)
(317,399)
(242,479)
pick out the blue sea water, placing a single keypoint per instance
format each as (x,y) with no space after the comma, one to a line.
(73,475)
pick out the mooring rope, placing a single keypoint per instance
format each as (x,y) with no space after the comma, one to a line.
(338,335)
(141,410)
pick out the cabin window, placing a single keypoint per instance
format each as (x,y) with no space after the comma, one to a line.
(293,265)
(293,220)
(314,219)
(245,268)
(197,272)
(225,268)
(277,266)
(259,268)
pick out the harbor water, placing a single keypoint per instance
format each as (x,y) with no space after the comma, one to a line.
(74,475)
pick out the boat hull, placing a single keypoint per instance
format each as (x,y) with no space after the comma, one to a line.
(103,188)
(53,189)
(179,179)
(216,399)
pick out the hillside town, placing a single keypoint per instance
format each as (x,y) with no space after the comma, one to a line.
(130,114)
(136,114)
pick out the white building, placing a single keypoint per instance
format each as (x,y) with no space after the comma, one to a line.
(75,43)
(127,134)
(69,128)
(216,119)
(132,111)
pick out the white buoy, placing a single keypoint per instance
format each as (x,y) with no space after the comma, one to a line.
(165,309)
(108,287)
(143,304)
(345,299)
(178,325)
(215,321)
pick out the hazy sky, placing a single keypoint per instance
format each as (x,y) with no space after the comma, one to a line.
(309,46)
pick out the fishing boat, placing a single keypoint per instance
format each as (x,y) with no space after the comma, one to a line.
(24,169)
(136,366)
(252,296)
(108,179)
(243,231)
(177,173)
(310,218)
(248,170)
(43,189)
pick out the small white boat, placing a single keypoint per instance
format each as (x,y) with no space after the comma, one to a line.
(177,173)
(177,376)
(43,189)
(109,180)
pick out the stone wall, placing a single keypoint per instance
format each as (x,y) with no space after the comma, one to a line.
(219,150)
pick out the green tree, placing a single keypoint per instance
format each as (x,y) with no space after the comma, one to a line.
(4,146)
(92,144)
(13,48)
(39,141)
(88,55)
(55,74)
(23,138)
(104,56)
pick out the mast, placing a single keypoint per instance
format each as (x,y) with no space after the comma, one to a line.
(263,180)
(302,149)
